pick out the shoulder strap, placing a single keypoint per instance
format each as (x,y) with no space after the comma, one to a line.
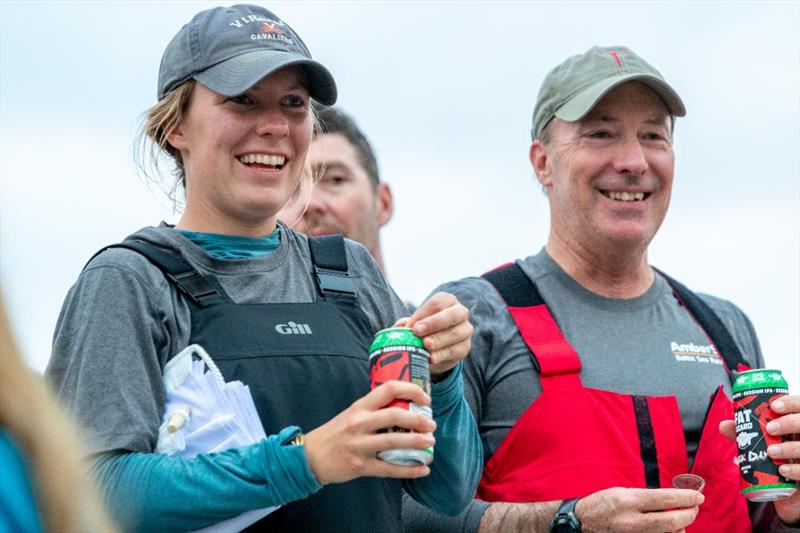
(202,290)
(552,354)
(329,258)
(711,324)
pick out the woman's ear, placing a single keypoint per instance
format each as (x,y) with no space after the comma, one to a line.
(176,138)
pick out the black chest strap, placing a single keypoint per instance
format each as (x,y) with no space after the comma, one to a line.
(201,289)
(711,324)
(328,258)
(551,353)
(517,290)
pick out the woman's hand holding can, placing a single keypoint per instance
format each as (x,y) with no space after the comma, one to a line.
(443,324)
(347,446)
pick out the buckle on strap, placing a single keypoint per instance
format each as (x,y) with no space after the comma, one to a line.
(334,281)
(195,286)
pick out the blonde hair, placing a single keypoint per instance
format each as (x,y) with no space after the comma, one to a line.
(66,497)
(152,146)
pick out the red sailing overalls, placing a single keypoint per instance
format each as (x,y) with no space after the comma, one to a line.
(573,440)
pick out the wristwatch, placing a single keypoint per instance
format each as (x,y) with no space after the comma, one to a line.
(565,520)
(295,439)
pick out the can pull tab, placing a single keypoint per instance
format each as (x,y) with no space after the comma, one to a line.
(178,419)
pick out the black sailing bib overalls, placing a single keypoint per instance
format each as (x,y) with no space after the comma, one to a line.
(304,364)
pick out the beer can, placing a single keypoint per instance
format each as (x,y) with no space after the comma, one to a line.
(396,353)
(753,391)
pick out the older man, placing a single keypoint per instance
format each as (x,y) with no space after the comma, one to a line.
(596,379)
(349,198)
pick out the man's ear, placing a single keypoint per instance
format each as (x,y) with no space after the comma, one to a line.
(541,163)
(383,195)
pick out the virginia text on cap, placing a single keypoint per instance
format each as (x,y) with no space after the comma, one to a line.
(229,49)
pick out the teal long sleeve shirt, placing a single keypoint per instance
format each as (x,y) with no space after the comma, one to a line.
(151,492)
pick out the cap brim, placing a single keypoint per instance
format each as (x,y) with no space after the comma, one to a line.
(580,104)
(237,74)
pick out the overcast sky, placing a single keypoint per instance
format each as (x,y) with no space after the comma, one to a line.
(445,92)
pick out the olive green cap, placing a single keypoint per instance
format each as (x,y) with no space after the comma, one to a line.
(574,87)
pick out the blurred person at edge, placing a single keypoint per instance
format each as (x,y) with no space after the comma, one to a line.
(46,486)
(349,197)
(235,89)
(594,378)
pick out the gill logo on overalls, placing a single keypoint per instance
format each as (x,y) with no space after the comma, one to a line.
(293,328)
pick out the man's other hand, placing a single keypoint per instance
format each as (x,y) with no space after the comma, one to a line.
(788,425)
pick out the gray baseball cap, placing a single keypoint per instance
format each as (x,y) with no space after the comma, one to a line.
(575,86)
(230,49)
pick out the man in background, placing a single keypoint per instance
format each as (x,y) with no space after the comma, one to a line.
(349,198)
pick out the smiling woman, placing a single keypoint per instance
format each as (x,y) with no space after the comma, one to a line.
(258,141)
(234,115)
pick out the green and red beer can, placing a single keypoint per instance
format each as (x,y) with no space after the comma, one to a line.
(753,391)
(398,354)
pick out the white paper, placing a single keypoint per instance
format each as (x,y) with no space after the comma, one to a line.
(221,416)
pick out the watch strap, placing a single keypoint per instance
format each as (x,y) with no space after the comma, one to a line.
(565,519)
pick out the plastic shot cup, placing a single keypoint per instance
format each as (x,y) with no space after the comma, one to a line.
(689,481)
